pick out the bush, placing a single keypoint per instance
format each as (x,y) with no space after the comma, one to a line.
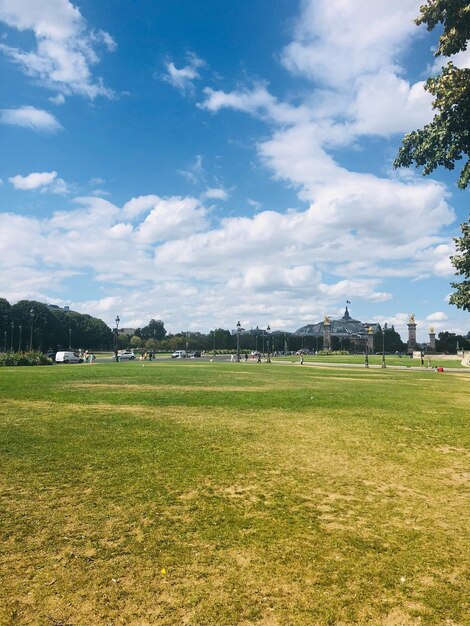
(24,358)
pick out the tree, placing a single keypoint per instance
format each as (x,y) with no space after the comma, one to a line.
(155,329)
(392,341)
(461,262)
(447,342)
(446,139)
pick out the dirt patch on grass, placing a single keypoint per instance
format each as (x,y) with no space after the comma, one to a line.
(398,617)
(164,387)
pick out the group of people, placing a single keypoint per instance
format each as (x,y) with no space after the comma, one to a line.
(88,357)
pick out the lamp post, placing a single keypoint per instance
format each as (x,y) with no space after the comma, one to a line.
(187,342)
(5,341)
(214,344)
(20,328)
(32,327)
(116,332)
(70,339)
(383,348)
(11,343)
(154,346)
(268,331)
(238,341)
(366,362)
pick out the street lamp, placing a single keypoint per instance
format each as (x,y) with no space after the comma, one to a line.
(187,341)
(70,339)
(383,348)
(116,331)
(5,341)
(238,341)
(32,327)
(12,328)
(20,328)
(369,332)
(268,330)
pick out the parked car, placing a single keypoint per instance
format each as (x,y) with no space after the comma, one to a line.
(51,356)
(65,356)
(125,355)
(179,354)
(195,354)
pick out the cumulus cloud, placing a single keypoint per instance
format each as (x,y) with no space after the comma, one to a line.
(172,218)
(183,78)
(335,42)
(65,48)
(30,117)
(170,246)
(34,180)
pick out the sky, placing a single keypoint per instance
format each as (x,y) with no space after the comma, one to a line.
(208,162)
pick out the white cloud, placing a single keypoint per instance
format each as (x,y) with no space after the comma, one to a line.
(58,99)
(30,117)
(438,316)
(33,180)
(172,218)
(45,181)
(195,173)
(386,104)
(216,193)
(335,42)
(183,78)
(141,204)
(65,48)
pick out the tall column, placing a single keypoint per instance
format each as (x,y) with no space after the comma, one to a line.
(326,333)
(411,334)
(432,339)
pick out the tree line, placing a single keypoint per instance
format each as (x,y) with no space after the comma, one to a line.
(45,328)
(29,324)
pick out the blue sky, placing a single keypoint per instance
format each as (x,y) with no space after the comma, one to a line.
(208,162)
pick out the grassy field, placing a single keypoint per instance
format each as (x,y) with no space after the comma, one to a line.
(376,359)
(209,494)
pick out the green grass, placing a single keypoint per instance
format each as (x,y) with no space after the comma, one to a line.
(376,359)
(221,494)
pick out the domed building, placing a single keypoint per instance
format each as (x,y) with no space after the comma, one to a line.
(346,327)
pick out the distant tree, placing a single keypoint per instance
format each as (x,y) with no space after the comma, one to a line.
(135,342)
(392,341)
(222,337)
(123,341)
(5,320)
(461,262)
(155,329)
(45,326)
(447,342)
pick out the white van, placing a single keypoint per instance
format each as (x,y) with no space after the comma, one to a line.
(68,357)
(179,354)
